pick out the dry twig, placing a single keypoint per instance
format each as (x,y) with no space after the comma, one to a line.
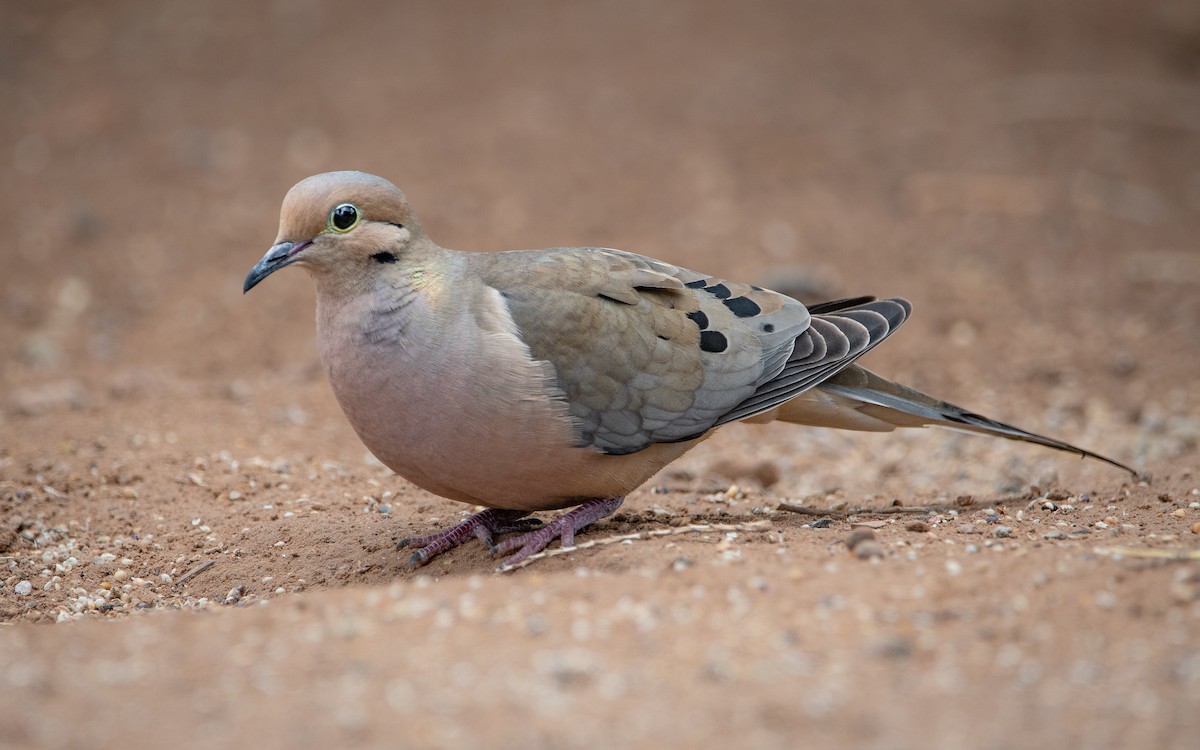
(1158,554)
(805,510)
(195,571)
(696,528)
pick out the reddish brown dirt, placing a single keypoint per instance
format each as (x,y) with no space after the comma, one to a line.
(1027,173)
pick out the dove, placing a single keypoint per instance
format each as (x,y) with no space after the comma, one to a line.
(535,380)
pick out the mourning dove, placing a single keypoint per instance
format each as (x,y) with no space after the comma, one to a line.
(535,380)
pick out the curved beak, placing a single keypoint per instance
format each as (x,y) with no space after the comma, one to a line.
(280,255)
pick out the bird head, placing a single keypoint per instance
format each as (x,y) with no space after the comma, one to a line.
(338,225)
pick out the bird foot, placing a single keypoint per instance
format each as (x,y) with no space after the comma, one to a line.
(563,527)
(482,525)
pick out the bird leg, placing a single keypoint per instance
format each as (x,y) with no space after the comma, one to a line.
(563,527)
(482,525)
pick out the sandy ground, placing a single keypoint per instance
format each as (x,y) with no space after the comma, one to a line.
(197,552)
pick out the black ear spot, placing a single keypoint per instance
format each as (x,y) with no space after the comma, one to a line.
(384,257)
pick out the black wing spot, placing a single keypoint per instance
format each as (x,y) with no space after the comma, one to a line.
(664,338)
(697,284)
(768,328)
(743,307)
(713,341)
(720,291)
(699,318)
(384,257)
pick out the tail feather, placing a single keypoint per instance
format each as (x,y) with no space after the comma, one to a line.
(881,404)
(832,342)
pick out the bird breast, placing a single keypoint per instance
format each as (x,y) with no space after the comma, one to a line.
(459,408)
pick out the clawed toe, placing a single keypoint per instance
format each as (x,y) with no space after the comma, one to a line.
(532,538)
(563,527)
(482,525)
(419,558)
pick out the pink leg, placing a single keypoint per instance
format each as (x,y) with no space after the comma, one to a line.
(482,525)
(563,527)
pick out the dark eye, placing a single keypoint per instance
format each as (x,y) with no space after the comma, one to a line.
(343,217)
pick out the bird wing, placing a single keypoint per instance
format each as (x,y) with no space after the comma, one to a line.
(647,352)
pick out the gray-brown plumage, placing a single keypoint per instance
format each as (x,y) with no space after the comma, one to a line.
(544,379)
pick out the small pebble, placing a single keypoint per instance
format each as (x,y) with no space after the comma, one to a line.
(24,588)
(821,523)
(968,528)
(868,525)
(1196,528)
(1105,599)
(1180,513)
(867,549)
(917,525)
(1002,532)
(1054,535)
(859,536)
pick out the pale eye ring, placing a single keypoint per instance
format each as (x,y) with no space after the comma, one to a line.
(344,217)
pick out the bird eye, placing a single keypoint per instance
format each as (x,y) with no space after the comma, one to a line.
(344,217)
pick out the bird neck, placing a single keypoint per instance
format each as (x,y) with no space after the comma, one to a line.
(392,302)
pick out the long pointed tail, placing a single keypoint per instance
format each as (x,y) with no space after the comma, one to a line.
(859,399)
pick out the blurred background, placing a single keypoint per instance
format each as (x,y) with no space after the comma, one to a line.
(1026,172)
